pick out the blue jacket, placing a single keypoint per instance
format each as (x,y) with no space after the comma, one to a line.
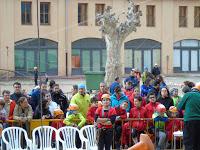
(163,85)
(35,99)
(133,79)
(116,103)
(112,87)
(145,90)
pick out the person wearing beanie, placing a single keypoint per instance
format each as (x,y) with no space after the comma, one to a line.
(173,125)
(190,103)
(82,100)
(175,97)
(160,118)
(73,115)
(75,119)
(104,120)
(57,114)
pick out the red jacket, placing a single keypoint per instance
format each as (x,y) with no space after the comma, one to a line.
(138,113)
(132,101)
(126,133)
(150,109)
(121,112)
(12,107)
(99,112)
(99,95)
(172,126)
(129,94)
(57,125)
(91,114)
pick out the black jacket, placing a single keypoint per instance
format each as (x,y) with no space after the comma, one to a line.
(60,99)
(167,101)
(37,113)
(155,71)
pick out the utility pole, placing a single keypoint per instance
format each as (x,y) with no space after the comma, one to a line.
(7,74)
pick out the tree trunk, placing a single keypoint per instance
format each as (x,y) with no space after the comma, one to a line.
(113,64)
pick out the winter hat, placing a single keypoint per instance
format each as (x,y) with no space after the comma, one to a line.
(197,86)
(173,109)
(57,112)
(81,86)
(73,107)
(161,108)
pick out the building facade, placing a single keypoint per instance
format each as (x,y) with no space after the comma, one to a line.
(19,36)
(71,42)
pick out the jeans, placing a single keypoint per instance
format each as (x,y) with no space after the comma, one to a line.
(161,140)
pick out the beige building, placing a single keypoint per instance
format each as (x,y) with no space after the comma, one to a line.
(18,36)
(71,43)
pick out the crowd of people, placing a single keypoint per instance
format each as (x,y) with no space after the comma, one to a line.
(140,96)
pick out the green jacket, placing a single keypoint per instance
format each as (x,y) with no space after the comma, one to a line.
(71,119)
(82,102)
(191,104)
(159,122)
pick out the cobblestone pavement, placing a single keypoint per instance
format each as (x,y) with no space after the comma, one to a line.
(66,84)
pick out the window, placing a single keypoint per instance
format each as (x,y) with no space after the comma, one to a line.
(26,16)
(150,16)
(82,14)
(177,58)
(44,13)
(99,9)
(197,16)
(19,60)
(76,58)
(182,16)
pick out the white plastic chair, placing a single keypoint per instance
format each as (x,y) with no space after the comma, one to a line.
(13,136)
(67,136)
(42,138)
(177,134)
(88,135)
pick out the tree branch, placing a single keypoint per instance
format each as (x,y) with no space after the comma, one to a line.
(132,21)
(107,21)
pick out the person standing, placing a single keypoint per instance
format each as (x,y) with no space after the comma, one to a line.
(190,103)
(35,75)
(155,71)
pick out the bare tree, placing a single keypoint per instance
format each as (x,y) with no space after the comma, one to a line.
(114,33)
